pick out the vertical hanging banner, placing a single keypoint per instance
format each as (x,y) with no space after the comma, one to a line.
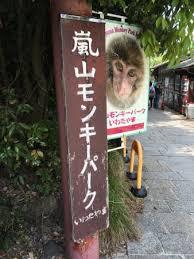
(84,86)
(127,81)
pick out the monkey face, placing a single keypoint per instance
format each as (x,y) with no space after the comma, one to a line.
(124,79)
(125,72)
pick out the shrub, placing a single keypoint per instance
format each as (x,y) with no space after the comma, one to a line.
(122,207)
(27,146)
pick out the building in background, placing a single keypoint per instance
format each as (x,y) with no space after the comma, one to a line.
(177,84)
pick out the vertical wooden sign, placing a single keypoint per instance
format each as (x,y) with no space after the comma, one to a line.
(84,86)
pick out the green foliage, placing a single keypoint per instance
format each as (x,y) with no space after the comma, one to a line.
(13,132)
(156,60)
(27,146)
(167,26)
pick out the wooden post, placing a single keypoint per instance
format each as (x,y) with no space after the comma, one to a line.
(87,247)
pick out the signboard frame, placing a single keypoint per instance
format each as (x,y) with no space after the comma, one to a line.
(83,82)
(117,29)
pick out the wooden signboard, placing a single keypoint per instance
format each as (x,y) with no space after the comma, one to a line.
(84,80)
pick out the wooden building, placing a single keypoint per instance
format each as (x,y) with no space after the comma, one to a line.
(177,84)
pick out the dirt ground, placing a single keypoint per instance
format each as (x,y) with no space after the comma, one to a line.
(30,226)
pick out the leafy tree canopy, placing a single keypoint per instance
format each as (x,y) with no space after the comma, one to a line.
(167,25)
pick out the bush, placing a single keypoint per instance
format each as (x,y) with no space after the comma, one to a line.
(28,150)
(122,207)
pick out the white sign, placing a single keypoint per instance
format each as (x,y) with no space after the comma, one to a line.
(127,81)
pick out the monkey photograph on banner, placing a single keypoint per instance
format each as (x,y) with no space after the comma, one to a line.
(127,81)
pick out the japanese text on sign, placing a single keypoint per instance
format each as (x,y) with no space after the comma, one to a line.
(83,45)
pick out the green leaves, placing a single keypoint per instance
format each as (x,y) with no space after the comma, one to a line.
(162,22)
(24,108)
(159,22)
(27,145)
(167,26)
(149,42)
(175,3)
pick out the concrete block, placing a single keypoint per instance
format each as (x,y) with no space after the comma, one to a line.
(176,243)
(148,244)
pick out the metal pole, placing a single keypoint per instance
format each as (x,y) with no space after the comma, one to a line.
(89,247)
(131,164)
(140,165)
(139,191)
(131,174)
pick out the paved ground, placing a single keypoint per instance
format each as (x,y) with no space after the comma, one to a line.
(167,223)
